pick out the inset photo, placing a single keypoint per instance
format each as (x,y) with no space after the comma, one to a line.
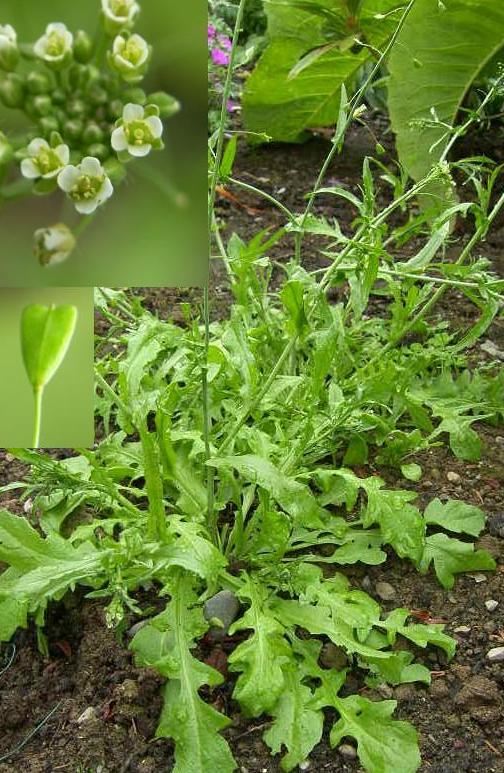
(46,393)
(103,160)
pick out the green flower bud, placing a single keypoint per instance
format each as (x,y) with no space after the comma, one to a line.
(83,47)
(12,91)
(54,244)
(79,76)
(77,108)
(167,104)
(38,82)
(99,151)
(42,105)
(115,109)
(6,150)
(92,133)
(9,52)
(97,95)
(130,57)
(136,96)
(73,129)
(59,97)
(48,124)
(115,170)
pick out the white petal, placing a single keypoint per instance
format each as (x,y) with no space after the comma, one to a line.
(53,239)
(63,153)
(37,145)
(53,173)
(118,45)
(9,32)
(68,177)
(91,166)
(133,112)
(139,150)
(86,207)
(29,170)
(40,47)
(118,139)
(56,27)
(106,192)
(155,125)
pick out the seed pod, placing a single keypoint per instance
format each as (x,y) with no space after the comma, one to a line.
(12,91)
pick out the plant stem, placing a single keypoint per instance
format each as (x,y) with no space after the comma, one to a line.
(37,393)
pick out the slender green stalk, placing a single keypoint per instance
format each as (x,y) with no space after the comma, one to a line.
(156,520)
(37,394)
(267,196)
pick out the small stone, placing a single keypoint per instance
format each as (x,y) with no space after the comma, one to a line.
(477,691)
(405,692)
(463,629)
(135,628)
(28,506)
(366,583)
(479,577)
(435,473)
(490,348)
(129,690)
(385,591)
(348,751)
(491,544)
(220,611)
(89,715)
(491,604)
(385,691)
(495,655)
(306,765)
(439,689)
(495,525)
(453,477)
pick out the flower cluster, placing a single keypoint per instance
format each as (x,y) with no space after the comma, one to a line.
(88,114)
(219,52)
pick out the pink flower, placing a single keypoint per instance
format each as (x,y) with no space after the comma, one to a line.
(211,31)
(220,57)
(230,106)
(224,42)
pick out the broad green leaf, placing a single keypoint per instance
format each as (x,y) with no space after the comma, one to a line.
(383,744)
(312,52)
(295,498)
(452,556)
(46,332)
(398,669)
(292,296)
(297,726)
(442,49)
(455,516)
(411,471)
(13,615)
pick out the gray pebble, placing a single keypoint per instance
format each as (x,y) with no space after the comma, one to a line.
(385,591)
(222,607)
(348,751)
(496,654)
(453,477)
(89,715)
(491,604)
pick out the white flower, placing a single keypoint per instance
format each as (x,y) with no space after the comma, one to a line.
(87,185)
(137,132)
(56,45)
(119,13)
(130,57)
(44,161)
(9,53)
(54,244)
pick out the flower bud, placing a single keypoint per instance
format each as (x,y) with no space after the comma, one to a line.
(98,150)
(167,104)
(73,129)
(115,109)
(38,82)
(130,57)
(42,104)
(55,47)
(76,108)
(83,47)
(115,170)
(97,95)
(53,245)
(12,91)
(9,52)
(6,150)
(136,95)
(59,97)
(119,14)
(92,133)
(48,124)
(79,76)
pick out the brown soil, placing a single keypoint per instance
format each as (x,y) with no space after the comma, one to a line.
(107,708)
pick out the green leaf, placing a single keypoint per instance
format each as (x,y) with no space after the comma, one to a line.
(261,657)
(383,744)
(401,524)
(292,296)
(441,49)
(420,634)
(228,157)
(451,556)
(165,644)
(46,333)
(411,471)
(297,726)
(295,498)
(312,52)
(13,615)
(455,516)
